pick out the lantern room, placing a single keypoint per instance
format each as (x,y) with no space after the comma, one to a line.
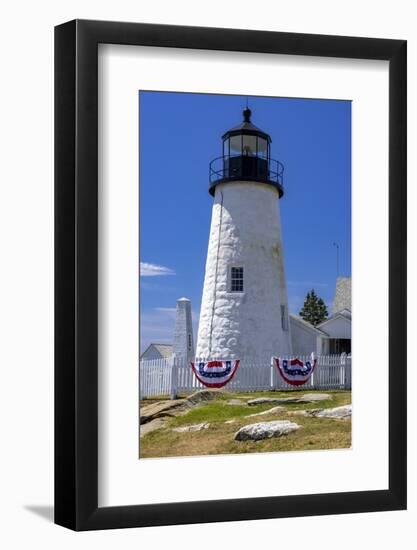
(246,157)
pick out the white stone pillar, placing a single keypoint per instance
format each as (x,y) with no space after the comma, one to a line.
(183,334)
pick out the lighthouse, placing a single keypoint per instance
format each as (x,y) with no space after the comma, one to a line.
(244,309)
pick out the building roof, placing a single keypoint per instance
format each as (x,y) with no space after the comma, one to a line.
(343,295)
(306,325)
(164,349)
(344,314)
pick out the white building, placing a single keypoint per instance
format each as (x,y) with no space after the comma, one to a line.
(332,336)
(157,351)
(338,327)
(244,310)
(305,337)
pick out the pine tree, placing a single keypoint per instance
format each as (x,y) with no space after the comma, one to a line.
(314,310)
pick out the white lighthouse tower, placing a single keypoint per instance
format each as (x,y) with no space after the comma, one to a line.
(244,310)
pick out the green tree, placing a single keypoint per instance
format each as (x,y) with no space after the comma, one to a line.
(314,310)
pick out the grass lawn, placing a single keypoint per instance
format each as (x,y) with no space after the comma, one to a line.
(218,438)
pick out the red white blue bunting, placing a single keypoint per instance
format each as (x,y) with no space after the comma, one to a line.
(294,371)
(215,374)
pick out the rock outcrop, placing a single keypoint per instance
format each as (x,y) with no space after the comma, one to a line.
(274,410)
(192,428)
(265,430)
(307,398)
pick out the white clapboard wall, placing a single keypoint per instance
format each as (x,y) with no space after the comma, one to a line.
(172,376)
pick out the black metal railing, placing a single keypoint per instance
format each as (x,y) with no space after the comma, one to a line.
(242,167)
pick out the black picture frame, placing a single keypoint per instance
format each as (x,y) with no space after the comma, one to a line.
(76,272)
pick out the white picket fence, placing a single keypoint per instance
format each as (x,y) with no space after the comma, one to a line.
(162,377)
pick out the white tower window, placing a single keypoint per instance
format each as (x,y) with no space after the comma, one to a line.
(236,279)
(190,342)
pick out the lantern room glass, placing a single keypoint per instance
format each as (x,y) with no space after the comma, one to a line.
(247,145)
(262,148)
(246,157)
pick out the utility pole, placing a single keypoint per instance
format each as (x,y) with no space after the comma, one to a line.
(337,258)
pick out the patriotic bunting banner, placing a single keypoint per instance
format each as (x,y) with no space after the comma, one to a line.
(294,371)
(215,374)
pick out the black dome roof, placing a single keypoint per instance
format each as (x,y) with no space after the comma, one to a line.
(246,127)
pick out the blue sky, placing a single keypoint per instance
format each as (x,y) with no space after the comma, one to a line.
(179,135)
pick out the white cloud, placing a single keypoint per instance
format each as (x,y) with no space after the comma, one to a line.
(170,310)
(154,270)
